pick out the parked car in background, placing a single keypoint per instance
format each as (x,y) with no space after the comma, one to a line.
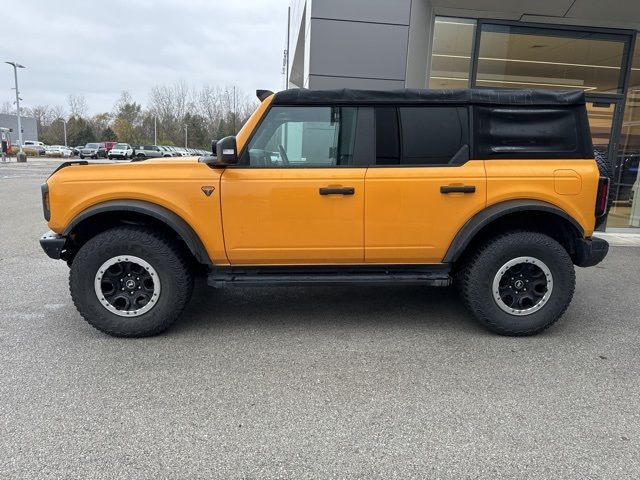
(170,151)
(93,150)
(76,150)
(183,152)
(33,147)
(165,151)
(58,151)
(109,145)
(147,151)
(120,150)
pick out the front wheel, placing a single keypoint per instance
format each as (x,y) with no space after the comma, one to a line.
(130,282)
(519,283)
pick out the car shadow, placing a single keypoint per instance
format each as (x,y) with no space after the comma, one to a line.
(324,307)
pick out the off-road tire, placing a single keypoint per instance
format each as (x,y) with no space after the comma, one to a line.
(477,274)
(161,253)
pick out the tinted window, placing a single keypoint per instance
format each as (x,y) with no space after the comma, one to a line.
(303,137)
(387,136)
(432,135)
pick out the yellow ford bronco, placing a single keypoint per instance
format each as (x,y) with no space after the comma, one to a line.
(497,191)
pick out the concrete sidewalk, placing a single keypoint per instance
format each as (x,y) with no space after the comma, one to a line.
(620,239)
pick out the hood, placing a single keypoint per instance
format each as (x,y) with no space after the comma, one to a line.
(78,185)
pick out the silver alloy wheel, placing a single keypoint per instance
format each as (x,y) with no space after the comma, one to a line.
(127,285)
(522,286)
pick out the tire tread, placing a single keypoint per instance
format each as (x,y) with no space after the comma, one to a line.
(149,239)
(472,297)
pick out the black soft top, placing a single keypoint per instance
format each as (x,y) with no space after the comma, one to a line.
(475,96)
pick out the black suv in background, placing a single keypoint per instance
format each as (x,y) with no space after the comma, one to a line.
(94,150)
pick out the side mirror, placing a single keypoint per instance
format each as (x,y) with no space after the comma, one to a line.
(227,151)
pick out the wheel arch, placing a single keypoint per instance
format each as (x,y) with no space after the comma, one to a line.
(512,215)
(104,215)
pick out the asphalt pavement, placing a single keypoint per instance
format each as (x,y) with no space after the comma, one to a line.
(261,383)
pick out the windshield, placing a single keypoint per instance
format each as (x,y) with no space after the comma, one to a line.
(121,145)
(92,145)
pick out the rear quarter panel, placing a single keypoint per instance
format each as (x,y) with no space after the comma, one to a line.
(175,185)
(569,184)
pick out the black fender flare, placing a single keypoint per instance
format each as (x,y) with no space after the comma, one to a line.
(483,218)
(164,215)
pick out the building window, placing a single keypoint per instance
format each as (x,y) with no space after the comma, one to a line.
(452,48)
(530,57)
(625,212)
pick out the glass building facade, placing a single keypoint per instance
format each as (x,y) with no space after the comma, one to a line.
(605,64)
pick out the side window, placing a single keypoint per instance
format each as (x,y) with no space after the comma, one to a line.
(387,136)
(303,137)
(421,135)
(432,135)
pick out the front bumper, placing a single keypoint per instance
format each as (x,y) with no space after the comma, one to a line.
(53,244)
(590,251)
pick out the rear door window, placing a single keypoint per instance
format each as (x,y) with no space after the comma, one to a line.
(432,135)
(387,136)
(421,135)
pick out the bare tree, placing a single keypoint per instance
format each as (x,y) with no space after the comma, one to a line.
(7,107)
(124,99)
(78,106)
(171,102)
(41,113)
(58,111)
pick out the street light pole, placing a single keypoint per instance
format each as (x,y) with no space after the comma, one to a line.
(186,129)
(155,130)
(16,66)
(64,124)
(234,110)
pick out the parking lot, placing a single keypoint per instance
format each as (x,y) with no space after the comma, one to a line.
(377,382)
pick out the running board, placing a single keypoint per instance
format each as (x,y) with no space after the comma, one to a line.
(433,275)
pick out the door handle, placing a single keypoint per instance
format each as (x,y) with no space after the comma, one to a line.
(337,190)
(457,189)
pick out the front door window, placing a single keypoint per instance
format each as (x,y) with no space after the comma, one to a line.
(303,137)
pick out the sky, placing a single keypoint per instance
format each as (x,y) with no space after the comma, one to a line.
(100,48)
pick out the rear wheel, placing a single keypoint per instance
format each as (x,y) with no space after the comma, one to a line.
(519,283)
(130,282)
